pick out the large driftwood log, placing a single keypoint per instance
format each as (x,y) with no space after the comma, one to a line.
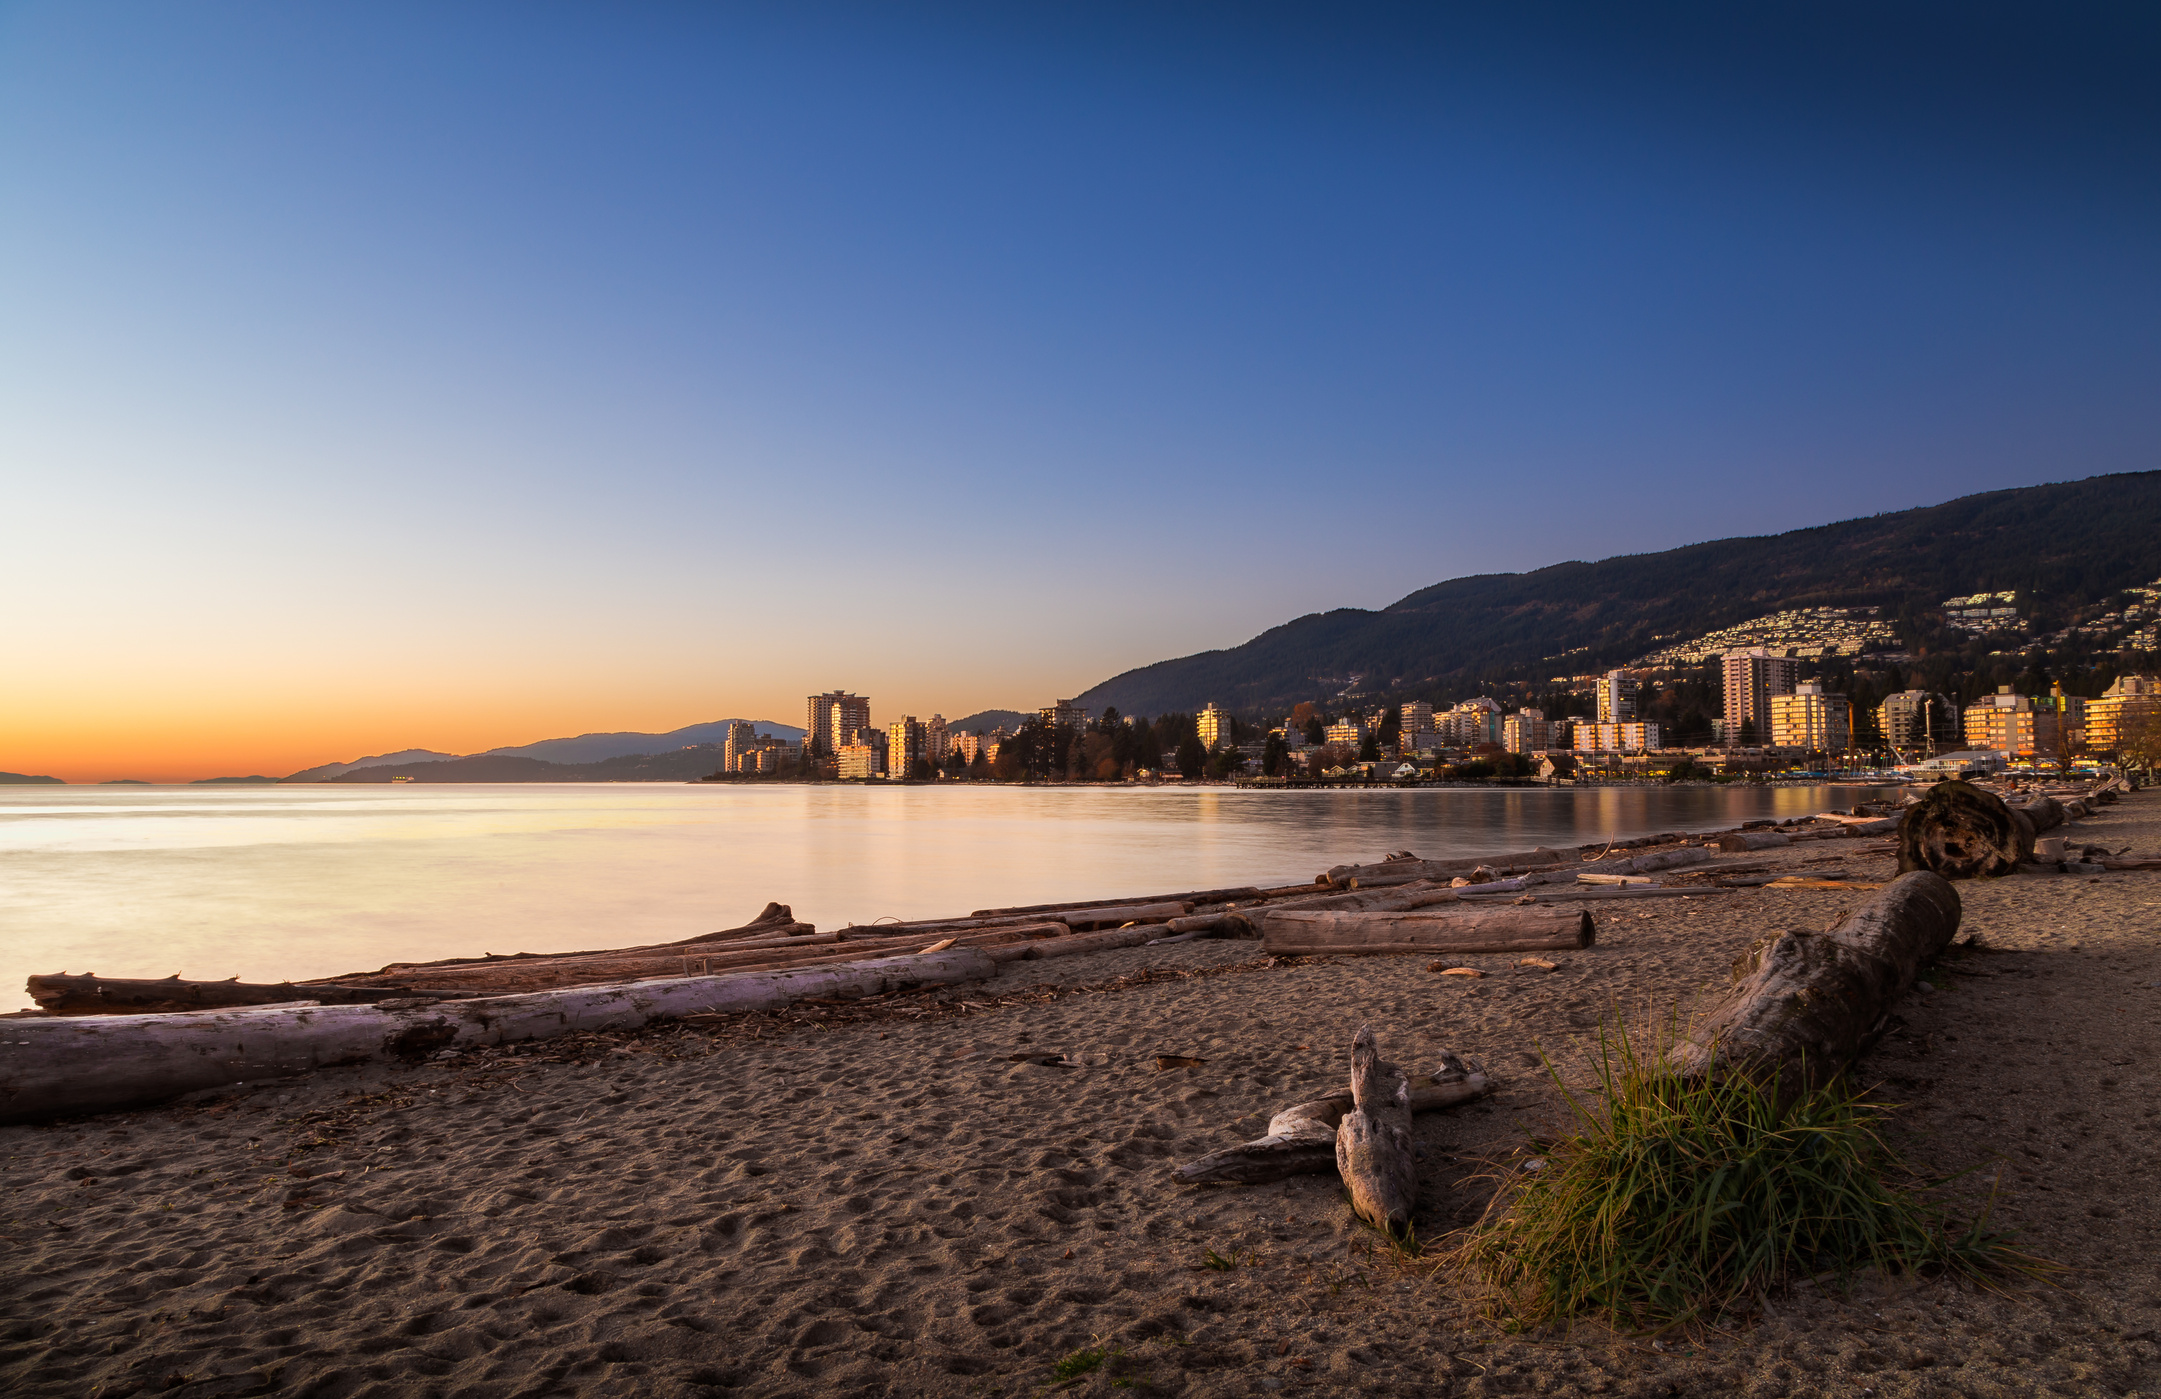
(104,995)
(1373,1142)
(83,1064)
(1960,831)
(1753,840)
(1301,1139)
(2045,814)
(1802,1006)
(1116,915)
(1196,896)
(1456,929)
(1446,869)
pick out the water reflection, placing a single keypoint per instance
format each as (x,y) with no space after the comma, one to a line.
(305,881)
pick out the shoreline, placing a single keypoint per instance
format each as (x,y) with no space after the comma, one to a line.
(952,1192)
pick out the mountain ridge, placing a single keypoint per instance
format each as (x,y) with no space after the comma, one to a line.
(2063,543)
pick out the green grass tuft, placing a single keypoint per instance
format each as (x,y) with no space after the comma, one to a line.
(1674,1201)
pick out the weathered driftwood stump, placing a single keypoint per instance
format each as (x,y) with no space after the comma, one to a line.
(1803,1006)
(1301,1139)
(1373,1142)
(1960,831)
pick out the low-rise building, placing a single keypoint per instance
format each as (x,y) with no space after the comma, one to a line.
(859,758)
(1631,737)
(1349,729)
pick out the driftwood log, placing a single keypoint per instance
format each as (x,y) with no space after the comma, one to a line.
(1301,1139)
(1446,869)
(83,1064)
(1803,1006)
(104,995)
(1753,840)
(1459,929)
(1196,896)
(2043,813)
(1961,831)
(1373,1142)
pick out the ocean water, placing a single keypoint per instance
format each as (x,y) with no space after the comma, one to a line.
(274,882)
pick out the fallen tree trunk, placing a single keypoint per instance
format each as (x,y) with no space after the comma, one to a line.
(76,1065)
(515,976)
(1373,1142)
(1503,929)
(1078,944)
(1752,840)
(1587,893)
(1447,869)
(1301,1139)
(104,995)
(2045,813)
(1960,831)
(1197,896)
(1117,914)
(1803,1005)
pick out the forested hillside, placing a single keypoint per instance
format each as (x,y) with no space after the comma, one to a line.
(2063,547)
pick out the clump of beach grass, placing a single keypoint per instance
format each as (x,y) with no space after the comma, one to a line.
(1676,1200)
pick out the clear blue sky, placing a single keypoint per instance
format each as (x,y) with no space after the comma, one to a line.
(516,370)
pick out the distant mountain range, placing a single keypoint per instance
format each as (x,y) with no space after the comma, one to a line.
(584,750)
(2062,547)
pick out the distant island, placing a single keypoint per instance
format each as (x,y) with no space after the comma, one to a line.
(23,779)
(234,781)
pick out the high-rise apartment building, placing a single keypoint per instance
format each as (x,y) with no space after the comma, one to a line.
(1415,718)
(741,734)
(2132,701)
(1349,729)
(1908,721)
(1065,714)
(1754,675)
(1214,726)
(1616,697)
(833,717)
(1526,731)
(904,746)
(937,743)
(1810,719)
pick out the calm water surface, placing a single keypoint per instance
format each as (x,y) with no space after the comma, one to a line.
(300,881)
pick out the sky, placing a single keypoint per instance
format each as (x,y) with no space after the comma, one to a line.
(451,376)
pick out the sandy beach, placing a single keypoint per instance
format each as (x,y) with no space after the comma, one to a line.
(908,1199)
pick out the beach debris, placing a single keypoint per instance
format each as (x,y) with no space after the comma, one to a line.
(1803,1006)
(939,946)
(1177,1061)
(1502,928)
(1960,831)
(90,994)
(1536,964)
(1445,970)
(85,1064)
(1373,1141)
(1301,1139)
